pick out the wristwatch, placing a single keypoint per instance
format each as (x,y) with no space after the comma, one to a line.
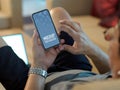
(38,71)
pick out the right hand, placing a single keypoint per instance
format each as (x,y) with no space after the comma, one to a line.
(43,58)
(82,44)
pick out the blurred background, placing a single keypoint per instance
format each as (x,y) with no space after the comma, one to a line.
(17,13)
(29,7)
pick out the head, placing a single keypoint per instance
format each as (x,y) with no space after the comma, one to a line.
(115,36)
(114,51)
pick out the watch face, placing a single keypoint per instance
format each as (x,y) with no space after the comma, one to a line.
(44,73)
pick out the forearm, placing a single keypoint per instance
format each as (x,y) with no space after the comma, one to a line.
(99,58)
(42,60)
(35,82)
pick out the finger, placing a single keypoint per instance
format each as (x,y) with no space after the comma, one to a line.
(58,33)
(61,47)
(77,23)
(68,30)
(62,41)
(34,38)
(53,51)
(38,39)
(57,50)
(70,23)
(69,48)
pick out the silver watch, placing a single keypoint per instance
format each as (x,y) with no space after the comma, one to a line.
(38,71)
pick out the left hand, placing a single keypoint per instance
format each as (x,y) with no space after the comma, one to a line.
(43,58)
(82,44)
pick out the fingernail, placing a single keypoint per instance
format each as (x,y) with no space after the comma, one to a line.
(60,21)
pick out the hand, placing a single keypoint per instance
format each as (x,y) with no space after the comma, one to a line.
(82,44)
(42,58)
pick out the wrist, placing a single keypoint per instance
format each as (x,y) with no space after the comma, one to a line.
(90,50)
(39,66)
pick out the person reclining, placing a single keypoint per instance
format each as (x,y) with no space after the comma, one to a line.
(65,66)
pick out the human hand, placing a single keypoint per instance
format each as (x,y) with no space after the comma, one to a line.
(82,44)
(43,58)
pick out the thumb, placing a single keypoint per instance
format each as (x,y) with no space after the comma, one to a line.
(69,48)
(35,38)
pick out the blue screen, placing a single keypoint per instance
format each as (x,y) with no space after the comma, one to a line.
(46,29)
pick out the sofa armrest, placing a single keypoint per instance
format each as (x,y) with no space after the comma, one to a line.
(13,9)
(74,7)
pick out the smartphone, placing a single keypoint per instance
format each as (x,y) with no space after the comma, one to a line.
(46,29)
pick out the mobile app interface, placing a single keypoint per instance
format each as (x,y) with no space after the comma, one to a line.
(46,29)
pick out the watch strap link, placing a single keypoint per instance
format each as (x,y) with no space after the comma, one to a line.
(38,71)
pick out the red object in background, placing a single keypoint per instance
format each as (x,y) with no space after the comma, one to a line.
(104,8)
(107,11)
(110,21)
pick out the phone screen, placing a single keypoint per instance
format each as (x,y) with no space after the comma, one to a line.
(46,28)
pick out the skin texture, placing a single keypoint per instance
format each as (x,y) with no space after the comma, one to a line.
(41,59)
(114,53)
(112,35)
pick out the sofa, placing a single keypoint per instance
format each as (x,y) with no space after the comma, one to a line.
(10,14)
(80,10)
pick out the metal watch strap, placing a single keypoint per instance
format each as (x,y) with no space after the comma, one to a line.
(38,71)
